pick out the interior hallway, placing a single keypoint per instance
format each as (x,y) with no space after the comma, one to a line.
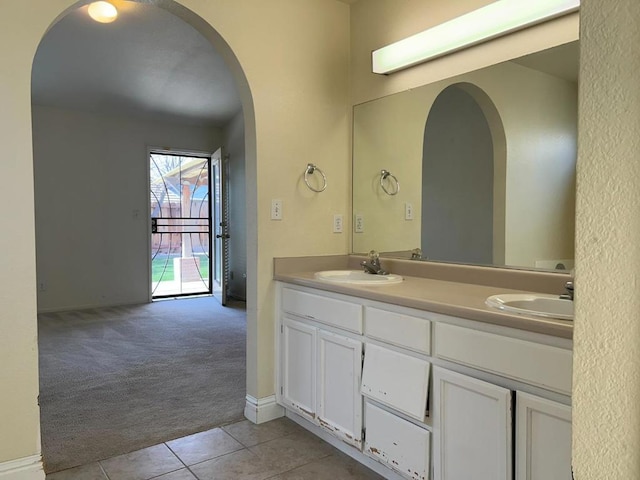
(115,380)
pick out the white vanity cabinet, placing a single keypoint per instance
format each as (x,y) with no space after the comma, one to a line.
(298,369)
(338,386)
(471,428)
(543,439)
(486,440)
(395,384)
(429,396)
(321,362)
(397,443)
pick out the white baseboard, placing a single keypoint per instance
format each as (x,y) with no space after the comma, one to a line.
(260,410)
(28,468)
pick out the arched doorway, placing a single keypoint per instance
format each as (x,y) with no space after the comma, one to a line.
(206,30)
(463,178)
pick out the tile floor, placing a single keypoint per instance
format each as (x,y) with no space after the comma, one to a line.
(277,450)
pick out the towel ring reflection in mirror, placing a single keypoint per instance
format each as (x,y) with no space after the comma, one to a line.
(311,169)
(393,184)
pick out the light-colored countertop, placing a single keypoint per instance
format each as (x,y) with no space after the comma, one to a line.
(460,299)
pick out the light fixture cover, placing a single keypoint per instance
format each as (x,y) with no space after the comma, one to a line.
(496,19)
(102,12)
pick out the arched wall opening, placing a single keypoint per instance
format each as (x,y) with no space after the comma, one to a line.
(209,31)
(464,178)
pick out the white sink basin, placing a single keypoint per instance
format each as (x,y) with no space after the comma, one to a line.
(539,305)
(357,277)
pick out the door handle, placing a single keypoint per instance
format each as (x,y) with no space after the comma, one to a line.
(224,235)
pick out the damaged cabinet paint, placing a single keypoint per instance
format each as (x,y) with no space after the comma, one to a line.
(401,445)
(339,400)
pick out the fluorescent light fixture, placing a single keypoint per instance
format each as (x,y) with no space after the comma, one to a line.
(494,20)
(102,12)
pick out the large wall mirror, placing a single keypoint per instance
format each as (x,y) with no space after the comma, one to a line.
(478,168)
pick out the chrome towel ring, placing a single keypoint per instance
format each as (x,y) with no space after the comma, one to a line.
(384,175)
(311,169)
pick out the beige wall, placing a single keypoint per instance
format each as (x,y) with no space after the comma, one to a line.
(90,176)
(606,373)
(295,75)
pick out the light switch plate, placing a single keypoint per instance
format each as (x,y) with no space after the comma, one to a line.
(408,211)
(276,209)
(337,223)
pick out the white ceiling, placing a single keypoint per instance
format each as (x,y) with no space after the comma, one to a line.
(148,63)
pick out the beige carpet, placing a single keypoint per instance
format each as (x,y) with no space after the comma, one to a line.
(114,380)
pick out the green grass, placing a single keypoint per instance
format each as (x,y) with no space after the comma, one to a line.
(158,266)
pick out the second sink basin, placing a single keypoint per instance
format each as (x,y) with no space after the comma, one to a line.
(357,277)
(539,305)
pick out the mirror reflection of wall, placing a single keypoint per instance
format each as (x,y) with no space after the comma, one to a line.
(501,192)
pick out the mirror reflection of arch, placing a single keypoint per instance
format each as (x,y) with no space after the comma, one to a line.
(532,119)
(463,178)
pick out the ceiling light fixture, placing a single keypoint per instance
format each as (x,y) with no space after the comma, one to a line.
(494,20)
(102,12)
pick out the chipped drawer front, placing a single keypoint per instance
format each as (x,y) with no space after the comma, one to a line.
(396,380)
(397,329)
(529,362)
(399,444)
(330,311)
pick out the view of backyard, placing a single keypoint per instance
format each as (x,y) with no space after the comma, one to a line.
(180,214)
(162,267)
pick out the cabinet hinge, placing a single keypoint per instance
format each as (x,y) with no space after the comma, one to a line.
(364,435)
(363,358)
(281,390)
(281,328)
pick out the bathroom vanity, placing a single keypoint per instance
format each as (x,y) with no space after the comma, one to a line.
(421,380)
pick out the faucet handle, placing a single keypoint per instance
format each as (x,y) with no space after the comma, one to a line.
(374,255)
(569,288)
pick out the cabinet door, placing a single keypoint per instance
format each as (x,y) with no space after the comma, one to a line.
(298,389)
(339,400)
(471,428)
(543,439)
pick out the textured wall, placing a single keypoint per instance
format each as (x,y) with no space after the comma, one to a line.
(606,376)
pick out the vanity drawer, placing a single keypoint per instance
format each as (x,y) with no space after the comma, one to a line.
(529,362)
(399,444)
(397,329)
(396,380)
(330,311)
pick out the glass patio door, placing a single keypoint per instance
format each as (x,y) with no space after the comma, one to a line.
(180,224)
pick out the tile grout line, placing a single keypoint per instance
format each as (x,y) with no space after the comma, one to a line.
(104,472)
(181,461)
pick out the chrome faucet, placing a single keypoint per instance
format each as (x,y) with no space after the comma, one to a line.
(373,266)
(569,288)
(416,254)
